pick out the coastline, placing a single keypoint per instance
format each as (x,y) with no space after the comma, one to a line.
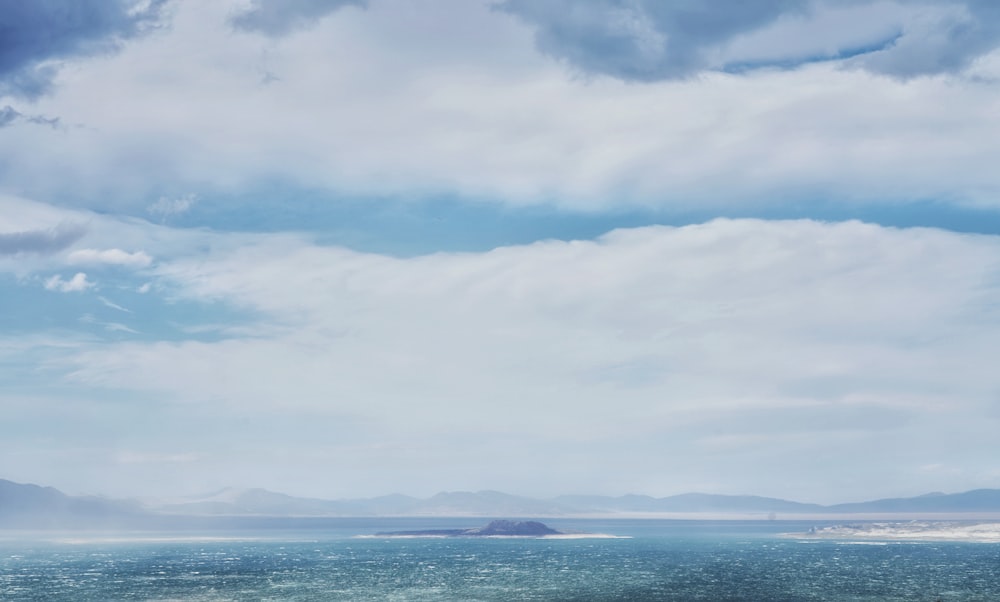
(912,531)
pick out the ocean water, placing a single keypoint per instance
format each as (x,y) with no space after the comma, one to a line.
(659,560)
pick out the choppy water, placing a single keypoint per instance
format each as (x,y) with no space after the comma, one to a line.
(664,560)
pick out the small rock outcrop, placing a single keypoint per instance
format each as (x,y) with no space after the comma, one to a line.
(497,528)
(514,528)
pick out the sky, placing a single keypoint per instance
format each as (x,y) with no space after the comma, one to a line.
(345,248)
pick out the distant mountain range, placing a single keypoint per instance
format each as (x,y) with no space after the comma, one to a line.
(24,506)
(34,507)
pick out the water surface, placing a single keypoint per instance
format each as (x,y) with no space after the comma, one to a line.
(324,560)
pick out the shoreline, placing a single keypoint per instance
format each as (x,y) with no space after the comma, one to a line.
(912,531)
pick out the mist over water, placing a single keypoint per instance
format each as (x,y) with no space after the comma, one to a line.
(661,560)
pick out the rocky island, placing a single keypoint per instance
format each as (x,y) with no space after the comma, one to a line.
(497,528)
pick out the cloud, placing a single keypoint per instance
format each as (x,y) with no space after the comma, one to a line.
(649,40)
(52,122)
(40,241)
(41,32)
(641,40)
(479,114)
(280,17)
(108,303)
(118,327)
(8,116)
(166,207)
(753,343)
(137,259)
(76,284)
(942,37)
(108,326)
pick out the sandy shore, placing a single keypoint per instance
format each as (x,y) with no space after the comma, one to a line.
(907,531)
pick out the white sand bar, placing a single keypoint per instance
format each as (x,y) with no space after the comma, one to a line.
(907,531)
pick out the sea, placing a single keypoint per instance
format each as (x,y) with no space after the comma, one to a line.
(344,559)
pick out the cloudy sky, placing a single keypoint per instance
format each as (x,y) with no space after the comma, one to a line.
(343,248)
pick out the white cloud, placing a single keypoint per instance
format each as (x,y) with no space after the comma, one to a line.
(137,259)
(107,302)
(108,326)
(478,113)
(77,283)
(166,207)
(118,327)
(730,351)
(744,355)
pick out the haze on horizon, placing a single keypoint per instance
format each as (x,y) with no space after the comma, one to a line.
(346,248)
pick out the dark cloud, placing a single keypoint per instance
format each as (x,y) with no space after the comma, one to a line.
(280,17)
(649,40)
(52,122)
(8,115)
(948,44)
(35,32)
(642,39)
(40,241)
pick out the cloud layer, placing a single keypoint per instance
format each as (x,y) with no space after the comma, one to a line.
(453,101)
(256,148)
(40,241)
(280,17)
(728,351)
(137,259)
(648,40)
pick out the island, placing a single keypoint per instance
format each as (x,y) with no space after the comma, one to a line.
(497,528)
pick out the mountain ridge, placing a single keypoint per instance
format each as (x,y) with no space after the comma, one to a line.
(34,506)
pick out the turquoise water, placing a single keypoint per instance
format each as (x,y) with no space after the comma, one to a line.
(662,560)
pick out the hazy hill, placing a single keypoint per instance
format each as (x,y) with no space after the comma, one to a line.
(488,503)
(977,500)
(269,503)
(26,506)
(687,502)
(250,502)
(495,503)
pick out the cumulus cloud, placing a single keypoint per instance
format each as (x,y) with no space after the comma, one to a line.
(76,284)
(40,241)
(136,259)
(38,33)
(280,17)
(647,40)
